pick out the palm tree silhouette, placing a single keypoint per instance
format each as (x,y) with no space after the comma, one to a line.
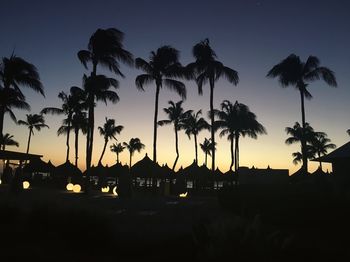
(176,115)
(97,88)
(108,131)
(320,144)
(133,145)
(16,72)
(7,140)
(79,122)
(34,121)
(298,134)
(207,69)
(206,148)
(237,120)
(70,103)
(162,68)
(292,71)
(348,131)
(117,148)
(105,48)
(193,124)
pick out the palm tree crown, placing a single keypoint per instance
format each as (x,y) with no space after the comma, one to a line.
(162,68)
(117,148)
(14,73)
(33,121)
(206,147)
(108,131)
(7,140)
(133,145)
(206,69)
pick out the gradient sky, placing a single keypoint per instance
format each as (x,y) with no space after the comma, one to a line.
(248,36)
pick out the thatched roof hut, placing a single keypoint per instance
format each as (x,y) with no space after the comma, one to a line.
(37,165)
(146,168)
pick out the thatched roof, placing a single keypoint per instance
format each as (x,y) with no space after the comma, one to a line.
(37,165)
(146,168)
(117,170)
(191,171)
(67,169)
(342,152)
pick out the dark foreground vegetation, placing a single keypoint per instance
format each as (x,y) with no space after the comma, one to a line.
(243,224)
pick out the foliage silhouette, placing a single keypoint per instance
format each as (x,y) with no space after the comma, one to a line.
(34,121)
(117,148)
(206,147)
(133,145)
(108,131)
(292,71)
(7,140)
(105,48)
(14,73)
(193,124)
(71,103)
(176,116)
(162,68)
(237,120)
(207,69)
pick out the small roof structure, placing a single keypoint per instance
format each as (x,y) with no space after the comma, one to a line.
(67,169)
(342,152)
(191,171)
(117,170)
(146,168)
(13,155)
(37,165)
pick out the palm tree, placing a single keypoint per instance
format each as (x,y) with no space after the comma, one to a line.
(207,69)
(320,144)
(79,122)
(33,122)
(176,116)
(97,88)
(296,136)
(108,131)
(193,124)
(133,145)
(105,48)
(237,120)
(207,148)
(292,71)
(162,68)
(7,140)
(14,73)
(70,103)
(117,148)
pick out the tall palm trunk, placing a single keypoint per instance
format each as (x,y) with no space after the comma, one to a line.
(103,152)
(2,114)
(206,157)
(117,157)
(76,145)
(130,160)
(176,147)
(212,123)
(196,148)
(90,137)
(29,137)
(319,155)
(236,153)
(232,155)
(303,140)
(68,134)
(155,124)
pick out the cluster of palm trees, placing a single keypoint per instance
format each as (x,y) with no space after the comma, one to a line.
(317,143)
(105,50)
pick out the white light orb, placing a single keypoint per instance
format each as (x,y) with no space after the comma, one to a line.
(76,188)
(105,189)
(69,187)
(26,184)
(115,191)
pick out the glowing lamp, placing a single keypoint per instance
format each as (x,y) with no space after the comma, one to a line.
(105,189)
(183,195)
(69,186)
(0,182)
(26,184)
(115,191)
(76,188)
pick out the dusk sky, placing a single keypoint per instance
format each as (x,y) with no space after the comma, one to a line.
(248,36)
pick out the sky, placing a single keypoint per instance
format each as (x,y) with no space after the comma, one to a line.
(248,36)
